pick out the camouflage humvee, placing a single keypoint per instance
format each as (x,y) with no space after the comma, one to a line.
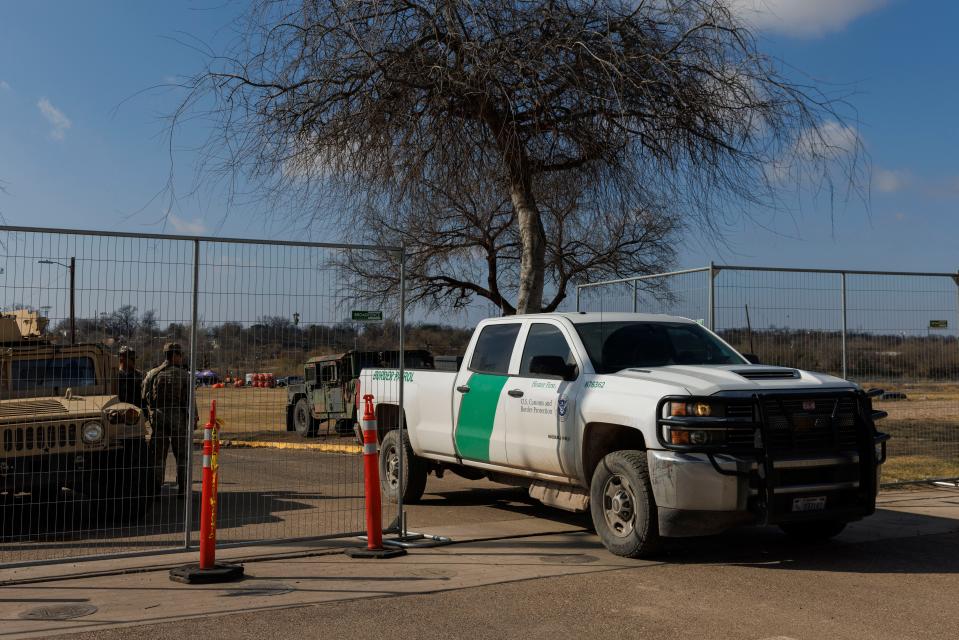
(328,390)
(62,426)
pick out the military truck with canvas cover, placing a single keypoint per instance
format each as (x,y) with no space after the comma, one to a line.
(652,423)
(328,390)
(63,430)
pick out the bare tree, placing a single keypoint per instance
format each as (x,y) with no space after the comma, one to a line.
(491,134)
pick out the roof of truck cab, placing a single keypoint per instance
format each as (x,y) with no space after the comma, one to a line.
(599,316)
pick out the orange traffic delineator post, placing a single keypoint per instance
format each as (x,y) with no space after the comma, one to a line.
(208,571)
(371,474)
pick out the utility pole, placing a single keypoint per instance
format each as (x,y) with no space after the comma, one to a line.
(73,299)
(72,268)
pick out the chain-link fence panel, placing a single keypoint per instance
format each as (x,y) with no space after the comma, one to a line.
(785,318)
(280,352)
(895,331)
(113,348)
(680,293)
(78,474)
(902,337)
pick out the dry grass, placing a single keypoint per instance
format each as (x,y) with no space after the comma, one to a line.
(245,410)
(252,414)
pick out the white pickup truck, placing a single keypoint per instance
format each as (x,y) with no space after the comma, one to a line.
(651,422)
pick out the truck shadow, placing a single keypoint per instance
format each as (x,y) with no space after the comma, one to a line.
(891,541)
(50,524)
(856,551)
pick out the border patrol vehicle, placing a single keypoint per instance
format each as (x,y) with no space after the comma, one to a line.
(652,423)
(62,425)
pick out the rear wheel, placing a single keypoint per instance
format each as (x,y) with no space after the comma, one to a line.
(303,421)
(344,427)
(816,531)
(415,469)
(622,505)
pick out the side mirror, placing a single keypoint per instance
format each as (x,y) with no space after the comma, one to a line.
(752,358)
(552,366)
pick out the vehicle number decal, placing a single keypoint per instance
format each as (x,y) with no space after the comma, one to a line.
(818,503)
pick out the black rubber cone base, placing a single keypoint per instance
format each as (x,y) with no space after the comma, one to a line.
(375,554)
(193,574)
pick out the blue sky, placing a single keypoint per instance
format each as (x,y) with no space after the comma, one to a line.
(82,140)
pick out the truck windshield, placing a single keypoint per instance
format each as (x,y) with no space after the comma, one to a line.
(53,373)
(614,346)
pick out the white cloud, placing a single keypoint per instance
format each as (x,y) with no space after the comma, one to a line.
(193,227)
(831,140)
(4,85)
(891,180)
(57,119)
(803,18)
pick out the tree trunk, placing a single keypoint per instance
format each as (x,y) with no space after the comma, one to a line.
(533,260)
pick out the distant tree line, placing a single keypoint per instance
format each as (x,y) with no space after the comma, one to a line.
(276,344)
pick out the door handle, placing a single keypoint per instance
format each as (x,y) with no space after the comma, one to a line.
(516,393)
(463,388)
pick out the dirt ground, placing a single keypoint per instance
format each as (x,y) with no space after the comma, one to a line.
(250,413)
(924,429)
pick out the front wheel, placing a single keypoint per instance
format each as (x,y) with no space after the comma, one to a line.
(816,531)
(415,469)
(303,421)
(622,505)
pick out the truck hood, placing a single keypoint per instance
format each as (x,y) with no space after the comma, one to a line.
(705,380)
(29,409)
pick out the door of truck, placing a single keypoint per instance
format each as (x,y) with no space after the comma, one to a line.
(335,403)
(325,375)
(540,402)
(480,424)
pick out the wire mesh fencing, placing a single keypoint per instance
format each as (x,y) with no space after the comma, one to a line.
(114,346)
(891,330)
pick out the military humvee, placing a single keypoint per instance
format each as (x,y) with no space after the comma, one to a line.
(62,425)
(328,390)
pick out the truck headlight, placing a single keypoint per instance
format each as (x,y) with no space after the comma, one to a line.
(92,432)
(696,436)
(692,409)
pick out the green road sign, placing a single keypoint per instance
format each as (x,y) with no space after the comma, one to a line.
(938,324)
(367,316)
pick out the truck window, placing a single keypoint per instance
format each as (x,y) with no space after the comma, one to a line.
(494,348)
(50,373)
(328,372)
(545,340)
(311,373)
(614,346)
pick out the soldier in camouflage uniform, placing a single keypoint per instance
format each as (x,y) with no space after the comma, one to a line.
(166,398)
(129,378)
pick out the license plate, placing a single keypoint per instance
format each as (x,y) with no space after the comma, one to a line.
(817,503)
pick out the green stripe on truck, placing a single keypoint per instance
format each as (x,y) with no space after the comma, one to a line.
(474,425)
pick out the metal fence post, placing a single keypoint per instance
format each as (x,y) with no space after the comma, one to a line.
(402,417)
(711,312)
(844,323)
(635,294)
(194,320)
(577,298)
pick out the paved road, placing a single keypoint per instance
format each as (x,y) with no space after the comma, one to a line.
(892,577)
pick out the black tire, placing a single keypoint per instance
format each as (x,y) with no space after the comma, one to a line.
(415,470)
(303,421)
(816,531)
(622,505)
(344,427)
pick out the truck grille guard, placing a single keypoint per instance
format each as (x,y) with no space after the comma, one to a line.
(773,466)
